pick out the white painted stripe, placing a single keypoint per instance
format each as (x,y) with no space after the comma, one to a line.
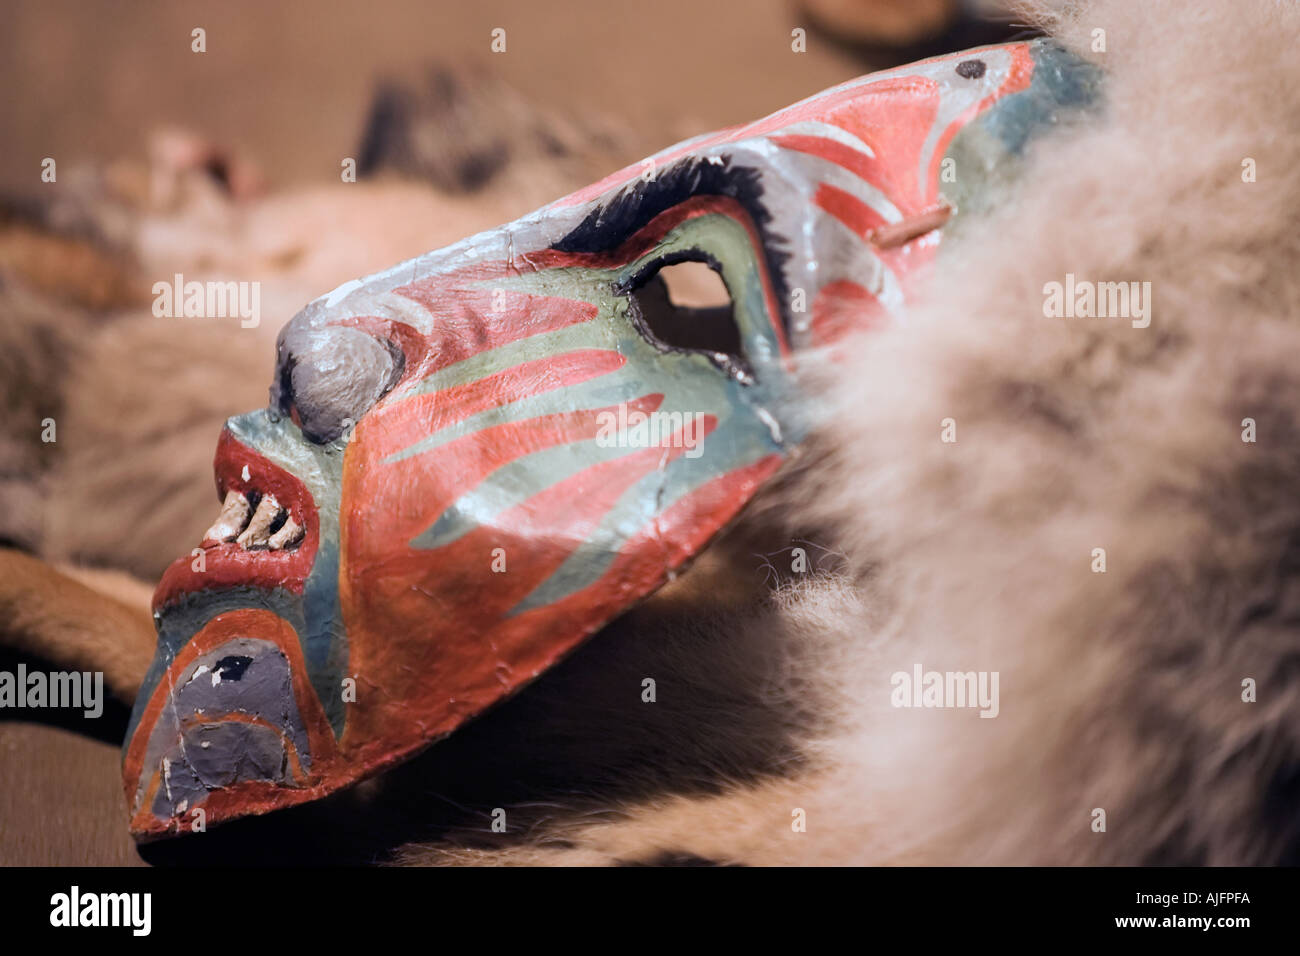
(826,131)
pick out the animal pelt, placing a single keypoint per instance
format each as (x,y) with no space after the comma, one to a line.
(1121,690)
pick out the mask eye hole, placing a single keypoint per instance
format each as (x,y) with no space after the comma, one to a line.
(682,304)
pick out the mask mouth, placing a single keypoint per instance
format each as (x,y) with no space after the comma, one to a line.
(266,536)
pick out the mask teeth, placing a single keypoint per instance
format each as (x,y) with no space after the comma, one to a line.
(258,531)
(235,512)
(289,534)
(269,527)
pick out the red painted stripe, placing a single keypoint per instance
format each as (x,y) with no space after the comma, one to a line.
(870,169)
(469,321)
(399,423)
(848,209)
(435,481)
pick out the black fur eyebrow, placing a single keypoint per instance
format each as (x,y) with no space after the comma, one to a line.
(610,224)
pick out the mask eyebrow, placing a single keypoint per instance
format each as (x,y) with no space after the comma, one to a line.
(608,225)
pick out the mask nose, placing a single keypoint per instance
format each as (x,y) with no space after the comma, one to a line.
(328,376)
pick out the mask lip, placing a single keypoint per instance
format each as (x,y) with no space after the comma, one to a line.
(227,566)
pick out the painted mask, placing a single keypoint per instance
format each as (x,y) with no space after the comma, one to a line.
(477,458)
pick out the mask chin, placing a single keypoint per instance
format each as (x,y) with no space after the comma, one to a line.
(233,721)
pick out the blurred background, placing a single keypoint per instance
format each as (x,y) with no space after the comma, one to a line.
(289,82)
